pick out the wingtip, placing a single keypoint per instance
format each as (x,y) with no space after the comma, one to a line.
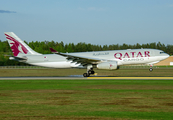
(52,50)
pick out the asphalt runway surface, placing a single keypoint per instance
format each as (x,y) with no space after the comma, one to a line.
(86,78)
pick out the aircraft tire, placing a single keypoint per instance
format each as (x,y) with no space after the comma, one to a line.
(92,72)
(151,69)
(86,75)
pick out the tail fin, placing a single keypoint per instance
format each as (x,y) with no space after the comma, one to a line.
(18,47)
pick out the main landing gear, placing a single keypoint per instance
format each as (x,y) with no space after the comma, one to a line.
(89,71)
(151,69)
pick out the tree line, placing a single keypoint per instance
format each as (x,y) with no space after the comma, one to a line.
(43,47)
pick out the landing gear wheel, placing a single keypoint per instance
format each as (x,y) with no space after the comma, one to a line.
(86,75)
(151,69)
(91,72)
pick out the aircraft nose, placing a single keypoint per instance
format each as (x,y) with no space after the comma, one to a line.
(167,55)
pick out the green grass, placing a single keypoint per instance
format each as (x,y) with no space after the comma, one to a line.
(86,99)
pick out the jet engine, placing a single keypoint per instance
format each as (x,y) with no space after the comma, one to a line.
(108,65)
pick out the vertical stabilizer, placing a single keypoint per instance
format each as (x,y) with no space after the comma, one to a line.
(18,47)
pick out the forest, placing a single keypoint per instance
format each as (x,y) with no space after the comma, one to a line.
(43,47)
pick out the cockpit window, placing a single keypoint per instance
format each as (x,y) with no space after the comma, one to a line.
(162,52)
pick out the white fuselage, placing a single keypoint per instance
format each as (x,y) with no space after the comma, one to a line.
(123,57)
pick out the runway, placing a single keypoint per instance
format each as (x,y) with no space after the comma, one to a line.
(133,78)
(86,78)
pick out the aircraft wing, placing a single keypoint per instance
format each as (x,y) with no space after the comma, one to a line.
(78,59)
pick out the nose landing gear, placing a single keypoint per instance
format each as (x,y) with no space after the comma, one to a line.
(151,69)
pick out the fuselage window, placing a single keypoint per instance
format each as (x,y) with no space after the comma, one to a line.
(162,52)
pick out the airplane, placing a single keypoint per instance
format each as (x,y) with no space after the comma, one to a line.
(108,60)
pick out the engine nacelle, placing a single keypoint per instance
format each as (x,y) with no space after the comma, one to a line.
(108,65)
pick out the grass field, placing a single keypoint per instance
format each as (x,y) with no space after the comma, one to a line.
(86,99)
(68,72)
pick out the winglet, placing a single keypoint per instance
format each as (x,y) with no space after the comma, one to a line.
(52,50)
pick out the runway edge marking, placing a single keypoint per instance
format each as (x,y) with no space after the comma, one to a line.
(133,78)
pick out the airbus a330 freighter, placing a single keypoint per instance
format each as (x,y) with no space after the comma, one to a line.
(109,60)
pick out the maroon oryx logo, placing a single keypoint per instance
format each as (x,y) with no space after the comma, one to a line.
(14,44)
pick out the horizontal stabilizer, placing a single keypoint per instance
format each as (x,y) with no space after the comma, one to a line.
(19,59)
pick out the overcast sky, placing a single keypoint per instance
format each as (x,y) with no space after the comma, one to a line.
(91,21)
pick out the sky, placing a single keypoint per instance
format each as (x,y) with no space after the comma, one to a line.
(99,22)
